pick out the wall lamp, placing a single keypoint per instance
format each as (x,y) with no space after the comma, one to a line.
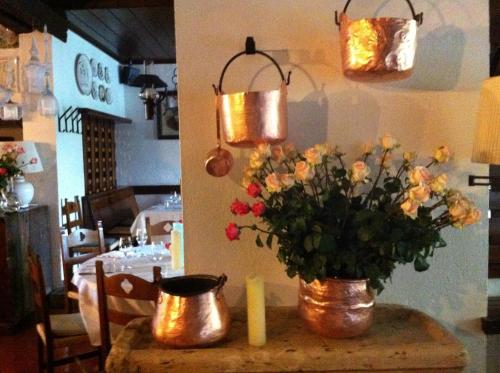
(486,147)
(150,94)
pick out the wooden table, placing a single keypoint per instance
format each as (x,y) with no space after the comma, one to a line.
(401,339)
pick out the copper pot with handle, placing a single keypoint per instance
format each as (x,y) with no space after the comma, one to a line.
(191,311)
(378,49)
(250,118)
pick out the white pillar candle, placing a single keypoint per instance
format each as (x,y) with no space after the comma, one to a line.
(256,310)
(175,249)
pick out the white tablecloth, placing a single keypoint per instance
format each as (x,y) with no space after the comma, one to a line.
(142,266)
(159,217)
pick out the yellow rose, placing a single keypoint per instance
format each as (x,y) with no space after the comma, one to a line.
(289,150)
(303,171)
(368,148)
(388,142)
(438,184)
(273,183)
(264,150)
(419,175)
(420,193)
(459,209)
(409,156)
(442,154)
(410,208)
(256,160)
(287,180)
(472,217)
(387,160)
(277,153)
(359,171)
(313,156)
(324,149)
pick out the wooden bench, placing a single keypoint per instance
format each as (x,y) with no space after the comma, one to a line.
(116,209)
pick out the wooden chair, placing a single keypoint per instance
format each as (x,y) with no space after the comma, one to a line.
(89,244)
(55,331)
(72,213)
(112,286)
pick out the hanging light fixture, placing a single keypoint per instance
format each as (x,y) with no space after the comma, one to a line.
(150,93)
(34,71)
(47,103)
(9,110)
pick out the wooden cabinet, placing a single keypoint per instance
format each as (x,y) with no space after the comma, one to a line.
(19,230)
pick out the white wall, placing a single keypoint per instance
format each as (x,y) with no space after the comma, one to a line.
(437,105)
(41,130)
(141,158)
(70,146)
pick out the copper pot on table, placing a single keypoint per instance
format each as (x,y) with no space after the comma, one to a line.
(191,311)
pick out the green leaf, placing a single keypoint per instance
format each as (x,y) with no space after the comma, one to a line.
(316,240)
(420,264)
(258,241)
(366,233)
(269,241)
(308,244)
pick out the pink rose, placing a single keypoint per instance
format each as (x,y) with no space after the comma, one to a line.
(33,160)
(254,190)
(232,232)
(239,208)
(258,209)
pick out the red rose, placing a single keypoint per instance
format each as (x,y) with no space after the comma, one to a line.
(167,245)
(240,208)
(232,232)
(258,208)
(3,171)
(254,190)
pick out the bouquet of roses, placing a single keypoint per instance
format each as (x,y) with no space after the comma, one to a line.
(9,165)
(343,221)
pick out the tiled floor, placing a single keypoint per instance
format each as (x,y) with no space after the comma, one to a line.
(18,354)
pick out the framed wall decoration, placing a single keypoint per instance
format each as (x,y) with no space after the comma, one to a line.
(9,72)
(167,118)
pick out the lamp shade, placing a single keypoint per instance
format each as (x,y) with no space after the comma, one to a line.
(486,147)
(29,160)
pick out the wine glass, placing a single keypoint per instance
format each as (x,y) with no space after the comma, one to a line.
(141,236)
(125,246)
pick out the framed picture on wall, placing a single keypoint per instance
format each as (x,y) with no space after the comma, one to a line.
(167,118)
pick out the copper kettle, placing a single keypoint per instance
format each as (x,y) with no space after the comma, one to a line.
(191,311)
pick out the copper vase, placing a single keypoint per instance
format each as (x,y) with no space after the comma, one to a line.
(336,308)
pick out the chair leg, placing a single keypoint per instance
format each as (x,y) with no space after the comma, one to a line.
(102,358)
(50,358)
(41,353)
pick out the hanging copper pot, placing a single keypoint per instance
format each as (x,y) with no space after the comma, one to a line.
(250,118)
(378,49)
(191,311)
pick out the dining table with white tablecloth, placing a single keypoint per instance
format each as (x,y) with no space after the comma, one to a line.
(160,217)
(138,261)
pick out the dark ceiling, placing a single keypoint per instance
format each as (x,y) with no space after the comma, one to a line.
(127,30)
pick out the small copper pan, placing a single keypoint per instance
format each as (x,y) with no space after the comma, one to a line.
(378,49)
(250,118)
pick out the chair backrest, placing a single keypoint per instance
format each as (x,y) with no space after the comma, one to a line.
(92,241)
(114,208)
(125,286)
(72,213)
(39,295)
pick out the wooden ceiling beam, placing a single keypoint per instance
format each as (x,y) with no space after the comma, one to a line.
(62,5)
(24,15)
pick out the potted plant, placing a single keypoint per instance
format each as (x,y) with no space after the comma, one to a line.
(344,228)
